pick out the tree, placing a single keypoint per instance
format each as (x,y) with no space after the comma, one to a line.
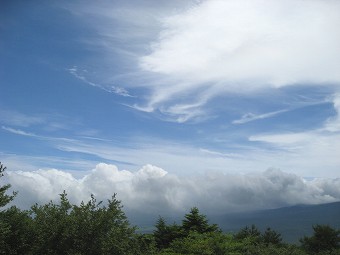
(249,232)
(5,228)
(324,238)
(5,198)
(19,234)
(51,226)
(164,234)
(212,243)
(88,228)
(271,237)
(194,221)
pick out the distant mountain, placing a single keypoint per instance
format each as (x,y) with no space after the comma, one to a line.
(292,222)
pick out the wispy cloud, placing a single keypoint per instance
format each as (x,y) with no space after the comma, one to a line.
(18,119)
(184,54)
(219,154)
(240,42)
(18,131)
(252,117)
(333,123)
(45,120)
(307,152)
(41,137)
(79,74)
(238,47)
(319,145)
(78,166)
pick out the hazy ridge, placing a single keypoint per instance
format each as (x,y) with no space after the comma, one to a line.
(292,222)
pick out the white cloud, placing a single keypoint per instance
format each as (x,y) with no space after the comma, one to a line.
(219,47)
(111,89)
(303,153)
(183,54)
(303,149)
(256,42)
(18,131)
(15,118)
(252,117)
(333,123)
(316,152)
(153,190)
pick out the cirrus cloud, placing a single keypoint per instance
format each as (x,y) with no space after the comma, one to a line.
(242,46)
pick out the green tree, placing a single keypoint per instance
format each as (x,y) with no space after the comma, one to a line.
(51,223)
(198,243)
(89,228)
(19,235)
(164,234)
(271,237)
(5,198)
(249,232)
(194,221)
(5,228)
(324,238)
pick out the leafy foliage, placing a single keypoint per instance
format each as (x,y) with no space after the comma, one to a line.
(18,235)
(165,234)
(251,233)
(324,239)
(6,230)
(271,237)
(194,221)
(85,229)
(5,198)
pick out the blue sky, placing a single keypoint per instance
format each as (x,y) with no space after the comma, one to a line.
(187,87)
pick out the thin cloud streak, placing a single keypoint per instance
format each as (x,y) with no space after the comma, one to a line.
(18,131)
(111,89)
(253,117)
(15,118)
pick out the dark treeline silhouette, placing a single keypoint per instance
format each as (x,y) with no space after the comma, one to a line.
(94,228)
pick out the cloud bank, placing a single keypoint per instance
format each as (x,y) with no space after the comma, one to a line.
(153,190)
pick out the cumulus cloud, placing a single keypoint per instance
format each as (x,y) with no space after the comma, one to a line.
(153,190)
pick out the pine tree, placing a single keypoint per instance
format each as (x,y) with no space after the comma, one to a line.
(324,238)
(194,221)
(165,234)
(5,198)
(249,232)
(271,237)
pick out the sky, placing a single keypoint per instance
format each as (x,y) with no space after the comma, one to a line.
(225,105)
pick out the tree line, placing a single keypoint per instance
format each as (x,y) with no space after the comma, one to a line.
(94,228)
